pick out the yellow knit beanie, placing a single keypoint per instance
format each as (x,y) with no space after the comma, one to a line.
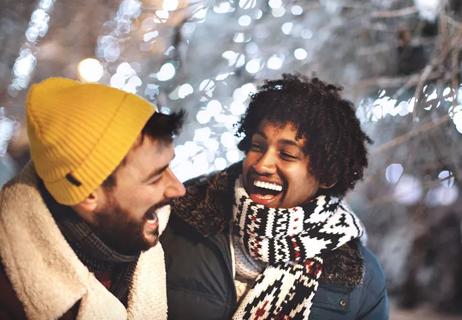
(80,132)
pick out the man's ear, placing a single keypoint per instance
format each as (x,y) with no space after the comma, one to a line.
(88,205)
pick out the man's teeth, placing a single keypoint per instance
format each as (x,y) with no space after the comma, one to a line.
(267,185)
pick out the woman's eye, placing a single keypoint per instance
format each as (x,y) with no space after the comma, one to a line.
(288,156)
(255,146)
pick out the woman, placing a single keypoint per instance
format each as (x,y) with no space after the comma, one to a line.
(271,238)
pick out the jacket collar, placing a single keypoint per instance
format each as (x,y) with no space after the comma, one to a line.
(208,202)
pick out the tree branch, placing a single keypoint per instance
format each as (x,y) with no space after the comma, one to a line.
(394,13)
(409,135)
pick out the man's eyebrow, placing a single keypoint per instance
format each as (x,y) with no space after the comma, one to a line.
(156,172)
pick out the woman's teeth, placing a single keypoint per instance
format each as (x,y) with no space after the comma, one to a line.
(267,185)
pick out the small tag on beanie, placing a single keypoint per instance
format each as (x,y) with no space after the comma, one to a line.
(73,180)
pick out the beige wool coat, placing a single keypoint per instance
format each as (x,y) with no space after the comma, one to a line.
(48,278)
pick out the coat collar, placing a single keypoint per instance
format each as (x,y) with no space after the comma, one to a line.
(208,202)
(207,207)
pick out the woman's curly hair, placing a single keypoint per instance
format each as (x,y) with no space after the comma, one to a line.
(335,142)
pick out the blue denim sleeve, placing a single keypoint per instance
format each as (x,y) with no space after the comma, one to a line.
(374,300)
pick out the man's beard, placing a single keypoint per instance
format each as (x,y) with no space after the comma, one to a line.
(119,232)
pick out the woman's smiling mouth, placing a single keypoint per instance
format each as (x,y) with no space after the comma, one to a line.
(264,192)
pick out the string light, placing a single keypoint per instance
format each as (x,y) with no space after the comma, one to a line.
(26,61)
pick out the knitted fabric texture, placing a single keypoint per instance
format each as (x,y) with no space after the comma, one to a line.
(247,267)
(80,132)
(290,242)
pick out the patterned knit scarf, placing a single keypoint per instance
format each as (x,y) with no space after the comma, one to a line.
(290,243)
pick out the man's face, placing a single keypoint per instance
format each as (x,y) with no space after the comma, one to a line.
(275,169)
(126,218)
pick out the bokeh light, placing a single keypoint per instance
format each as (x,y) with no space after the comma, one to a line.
(408,190)
(166,72)
(26,61)
(393,172)
(90,70)
(300,54)
(170,5)
(7,129)
(275,62)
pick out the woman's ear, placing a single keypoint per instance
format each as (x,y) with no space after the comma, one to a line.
(327,185)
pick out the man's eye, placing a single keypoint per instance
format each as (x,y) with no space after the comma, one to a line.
(154,180)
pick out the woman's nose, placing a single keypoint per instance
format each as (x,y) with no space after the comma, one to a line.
(266,164)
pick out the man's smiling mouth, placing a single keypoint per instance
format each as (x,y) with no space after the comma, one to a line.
(151,221)
(151,216)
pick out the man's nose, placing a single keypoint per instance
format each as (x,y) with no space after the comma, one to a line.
(266,163)
(175,188)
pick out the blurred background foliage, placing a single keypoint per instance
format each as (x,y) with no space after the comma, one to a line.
(398,60)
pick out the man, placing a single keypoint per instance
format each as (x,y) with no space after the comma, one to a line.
(271,237)
(80,224)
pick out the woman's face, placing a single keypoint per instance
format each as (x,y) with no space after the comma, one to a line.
(275,170)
